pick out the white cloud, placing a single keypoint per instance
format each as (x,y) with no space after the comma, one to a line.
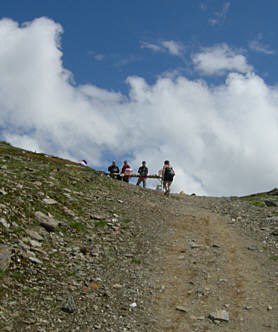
(96,56)
(220,16)
(258,46)
(173,47)
(219,59)
(170,46)
(221,140)
(153,47)
(203,6)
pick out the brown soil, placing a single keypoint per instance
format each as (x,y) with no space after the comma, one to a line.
(219,274)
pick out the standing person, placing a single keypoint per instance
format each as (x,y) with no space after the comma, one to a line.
(143,171)
(114,171)
(167,176)
(126,170)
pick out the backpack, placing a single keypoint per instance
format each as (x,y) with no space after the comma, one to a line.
(169,173)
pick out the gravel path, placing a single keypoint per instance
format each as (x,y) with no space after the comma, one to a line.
(206,269)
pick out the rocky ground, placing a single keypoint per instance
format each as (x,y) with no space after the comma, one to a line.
(82,252)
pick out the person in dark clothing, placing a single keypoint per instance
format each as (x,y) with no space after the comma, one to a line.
(167,177)
(126,170)
(114,171)
(143,172)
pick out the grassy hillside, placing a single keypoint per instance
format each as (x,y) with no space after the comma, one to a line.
(71,244)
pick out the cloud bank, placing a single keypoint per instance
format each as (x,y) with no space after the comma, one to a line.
(221,140)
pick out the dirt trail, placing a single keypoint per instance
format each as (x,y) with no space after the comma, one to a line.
(205,266)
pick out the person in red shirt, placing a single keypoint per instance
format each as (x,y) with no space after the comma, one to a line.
(125,169)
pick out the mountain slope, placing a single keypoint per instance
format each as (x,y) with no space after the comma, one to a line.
(82,252)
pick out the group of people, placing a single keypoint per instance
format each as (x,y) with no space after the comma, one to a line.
(115,173)
(166,173)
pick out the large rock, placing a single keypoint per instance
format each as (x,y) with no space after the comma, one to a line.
(49,223)
(270,203)
(5,258)
(275,232)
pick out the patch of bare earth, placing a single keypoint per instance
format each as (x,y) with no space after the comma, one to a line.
(205,267)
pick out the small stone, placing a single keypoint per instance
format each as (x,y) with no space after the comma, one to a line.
(35,244)
(117,286)
(35,260)
(181,308)
(133,305)
(49,201)
(193,245)
(220,315)
(247,307)
(5,258)
(97,217)
(269,308)
(252,248)
(275,232)
(4,223)
(3,192)
(69,305)
(69,212)
(49,223)
(34,235)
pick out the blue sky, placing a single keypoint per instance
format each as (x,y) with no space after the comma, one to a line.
(102,40)
(191,81)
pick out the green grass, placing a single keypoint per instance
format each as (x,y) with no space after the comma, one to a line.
(71,274)
(125,221)
(18,230)
(29,291)
(274,258)
(136,261)
(249,198)
(17,275)
(2,274)
(100,223)
(258,204)
(78,226)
